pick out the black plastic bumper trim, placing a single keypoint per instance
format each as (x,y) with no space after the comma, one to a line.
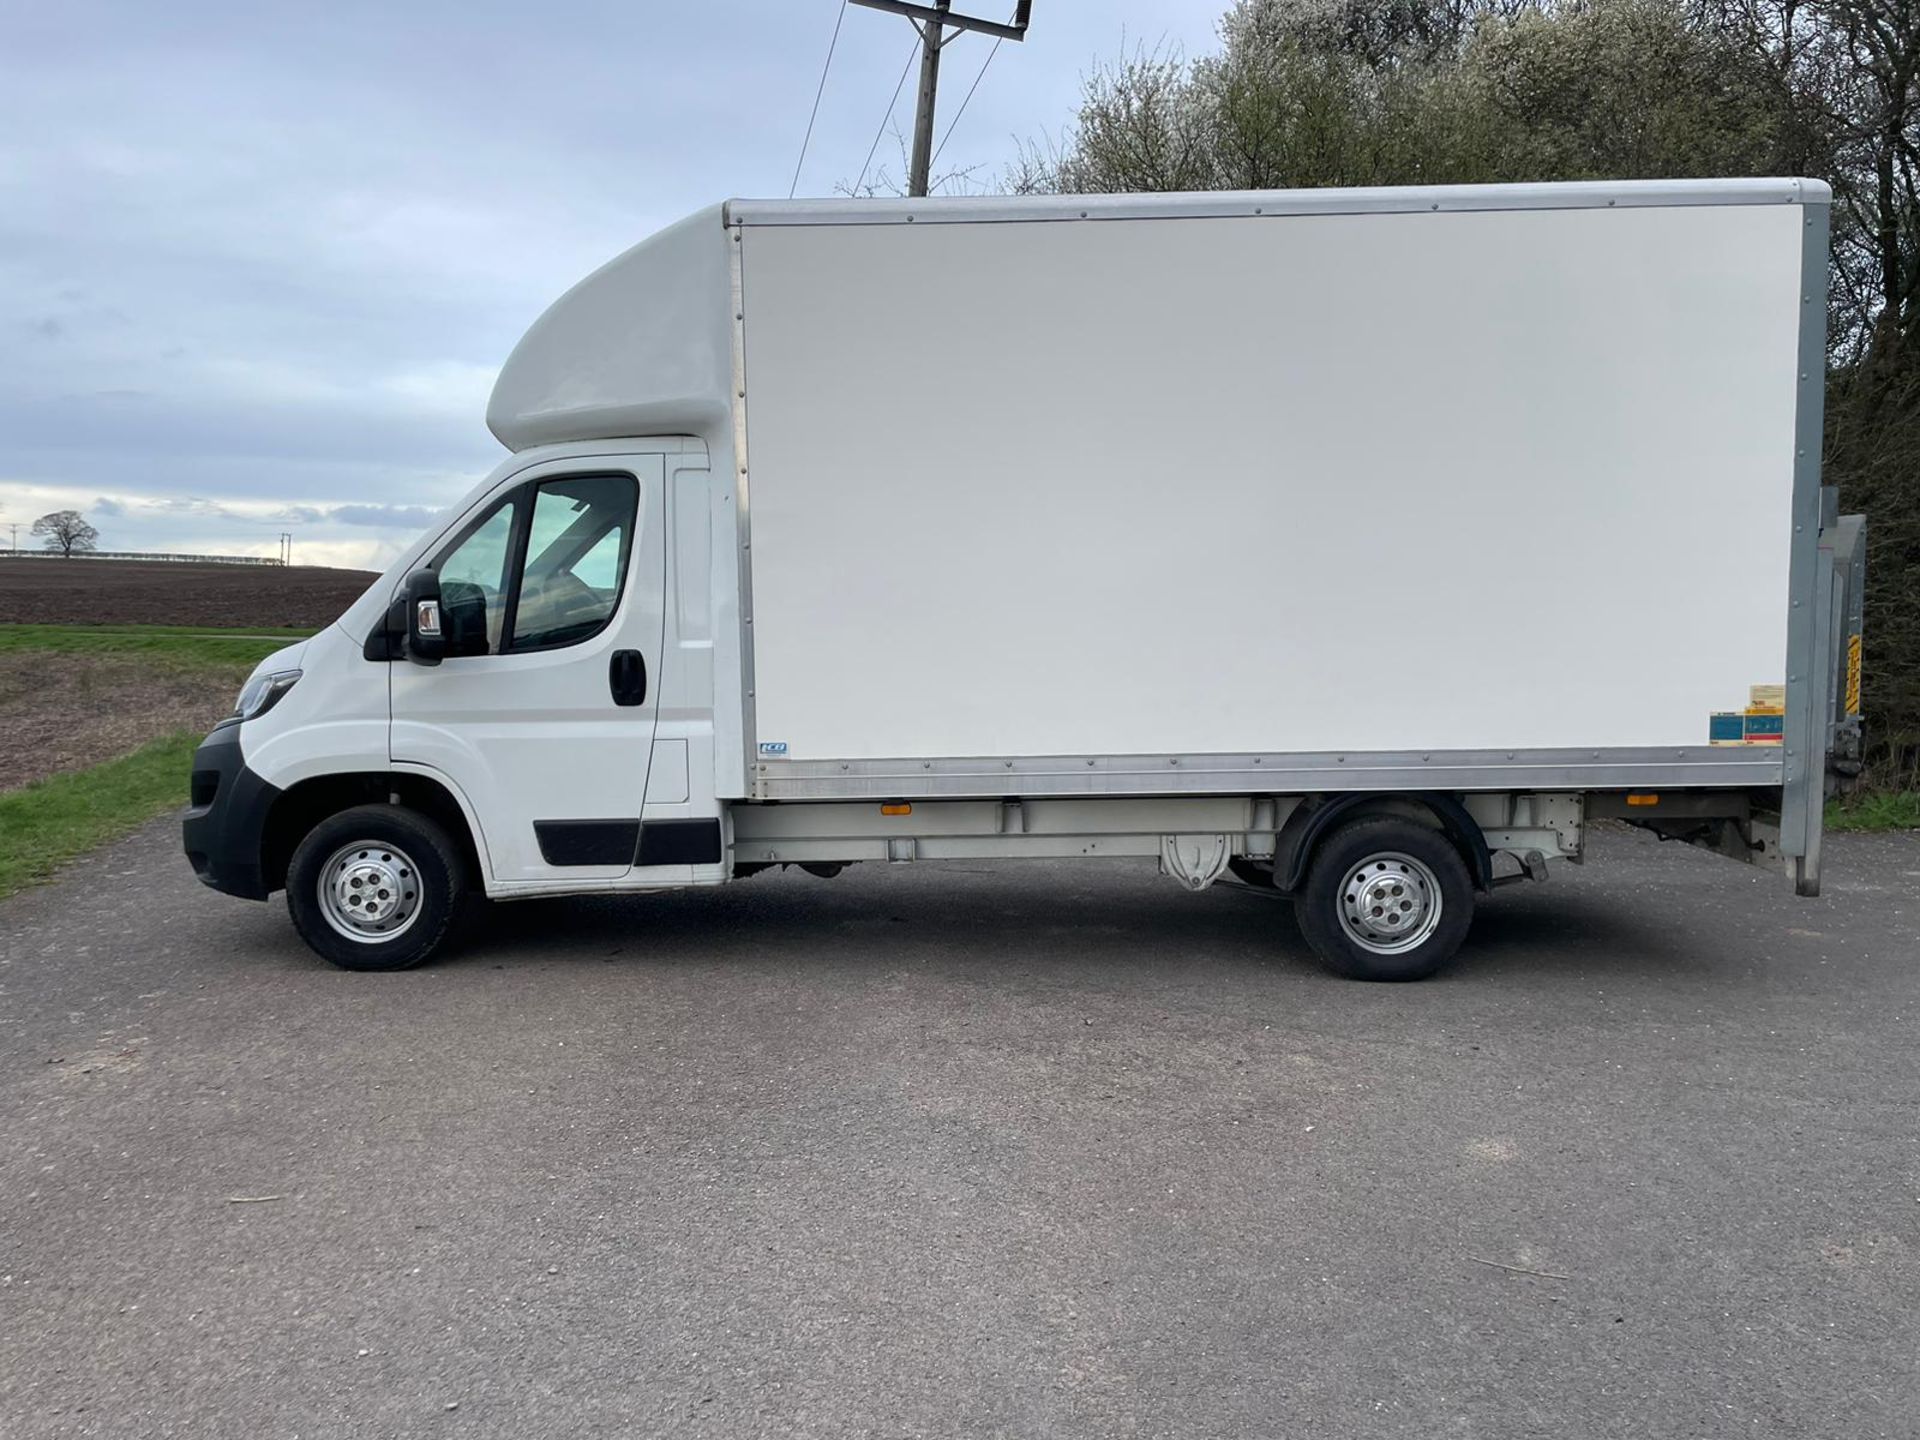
(223,829)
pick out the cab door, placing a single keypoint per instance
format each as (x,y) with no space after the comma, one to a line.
(549,732)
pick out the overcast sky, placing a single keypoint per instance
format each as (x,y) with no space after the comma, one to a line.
(259,261)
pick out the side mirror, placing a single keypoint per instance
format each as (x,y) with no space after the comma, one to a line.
(463,616)
(426,638)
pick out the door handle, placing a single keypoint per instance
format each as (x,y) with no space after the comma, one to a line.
(627,677)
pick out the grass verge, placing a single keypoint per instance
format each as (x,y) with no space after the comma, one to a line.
(173,645)
(50,822)
(1875,810)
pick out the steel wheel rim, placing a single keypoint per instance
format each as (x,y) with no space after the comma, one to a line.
(1389,903)
(370,891)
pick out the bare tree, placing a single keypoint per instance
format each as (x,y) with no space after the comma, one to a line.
(1879,114)
(65,531)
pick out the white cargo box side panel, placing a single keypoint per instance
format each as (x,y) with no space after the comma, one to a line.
(1303,483)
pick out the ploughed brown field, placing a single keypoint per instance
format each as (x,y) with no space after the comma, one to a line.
(65,712)
(147,592)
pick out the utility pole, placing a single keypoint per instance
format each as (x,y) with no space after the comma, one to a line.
(932,42)
(933,21)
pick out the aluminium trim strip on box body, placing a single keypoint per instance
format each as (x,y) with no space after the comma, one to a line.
(743,513)
(1803,779)
(1813,787)
(1221,204)
(1267,774)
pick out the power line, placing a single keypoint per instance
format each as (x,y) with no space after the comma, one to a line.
(818,92)
(970,89)
(911,52)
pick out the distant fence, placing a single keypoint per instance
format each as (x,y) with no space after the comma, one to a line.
(141,555)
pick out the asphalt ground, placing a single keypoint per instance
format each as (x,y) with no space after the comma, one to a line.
(1038,1150)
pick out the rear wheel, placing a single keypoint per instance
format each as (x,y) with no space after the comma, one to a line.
(1385,899)
(378,887)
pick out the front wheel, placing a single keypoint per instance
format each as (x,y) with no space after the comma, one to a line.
(1385,899)
(378,887)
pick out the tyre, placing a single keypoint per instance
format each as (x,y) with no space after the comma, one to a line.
(1385,899)
(378,887)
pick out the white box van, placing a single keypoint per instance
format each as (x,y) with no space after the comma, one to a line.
(1362,544)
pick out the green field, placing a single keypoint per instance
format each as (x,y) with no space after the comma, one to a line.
(50,822)
(177,646)
(47,823)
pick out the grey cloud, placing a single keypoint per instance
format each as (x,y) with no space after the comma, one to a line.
(186,505)
(398,517)
(108,506)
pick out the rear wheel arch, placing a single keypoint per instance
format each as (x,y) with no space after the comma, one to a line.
(302,806)
(1308,825)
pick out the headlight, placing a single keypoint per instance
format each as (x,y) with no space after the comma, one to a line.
(262,693)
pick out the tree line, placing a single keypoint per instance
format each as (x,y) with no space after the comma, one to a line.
(1405,92)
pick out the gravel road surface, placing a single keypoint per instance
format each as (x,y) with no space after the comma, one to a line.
(1037,1151)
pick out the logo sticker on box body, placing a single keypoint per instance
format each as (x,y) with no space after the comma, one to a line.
(1763,722)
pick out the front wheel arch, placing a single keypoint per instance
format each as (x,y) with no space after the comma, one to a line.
(377,887)
(304,805)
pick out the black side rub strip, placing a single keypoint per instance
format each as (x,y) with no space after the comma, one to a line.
(679,842)
(628,842)
(587,842)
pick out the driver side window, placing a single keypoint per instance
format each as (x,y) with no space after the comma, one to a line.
(543,569)
(473,583)
(576,557)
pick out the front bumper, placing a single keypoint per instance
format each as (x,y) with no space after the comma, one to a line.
(226,823)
